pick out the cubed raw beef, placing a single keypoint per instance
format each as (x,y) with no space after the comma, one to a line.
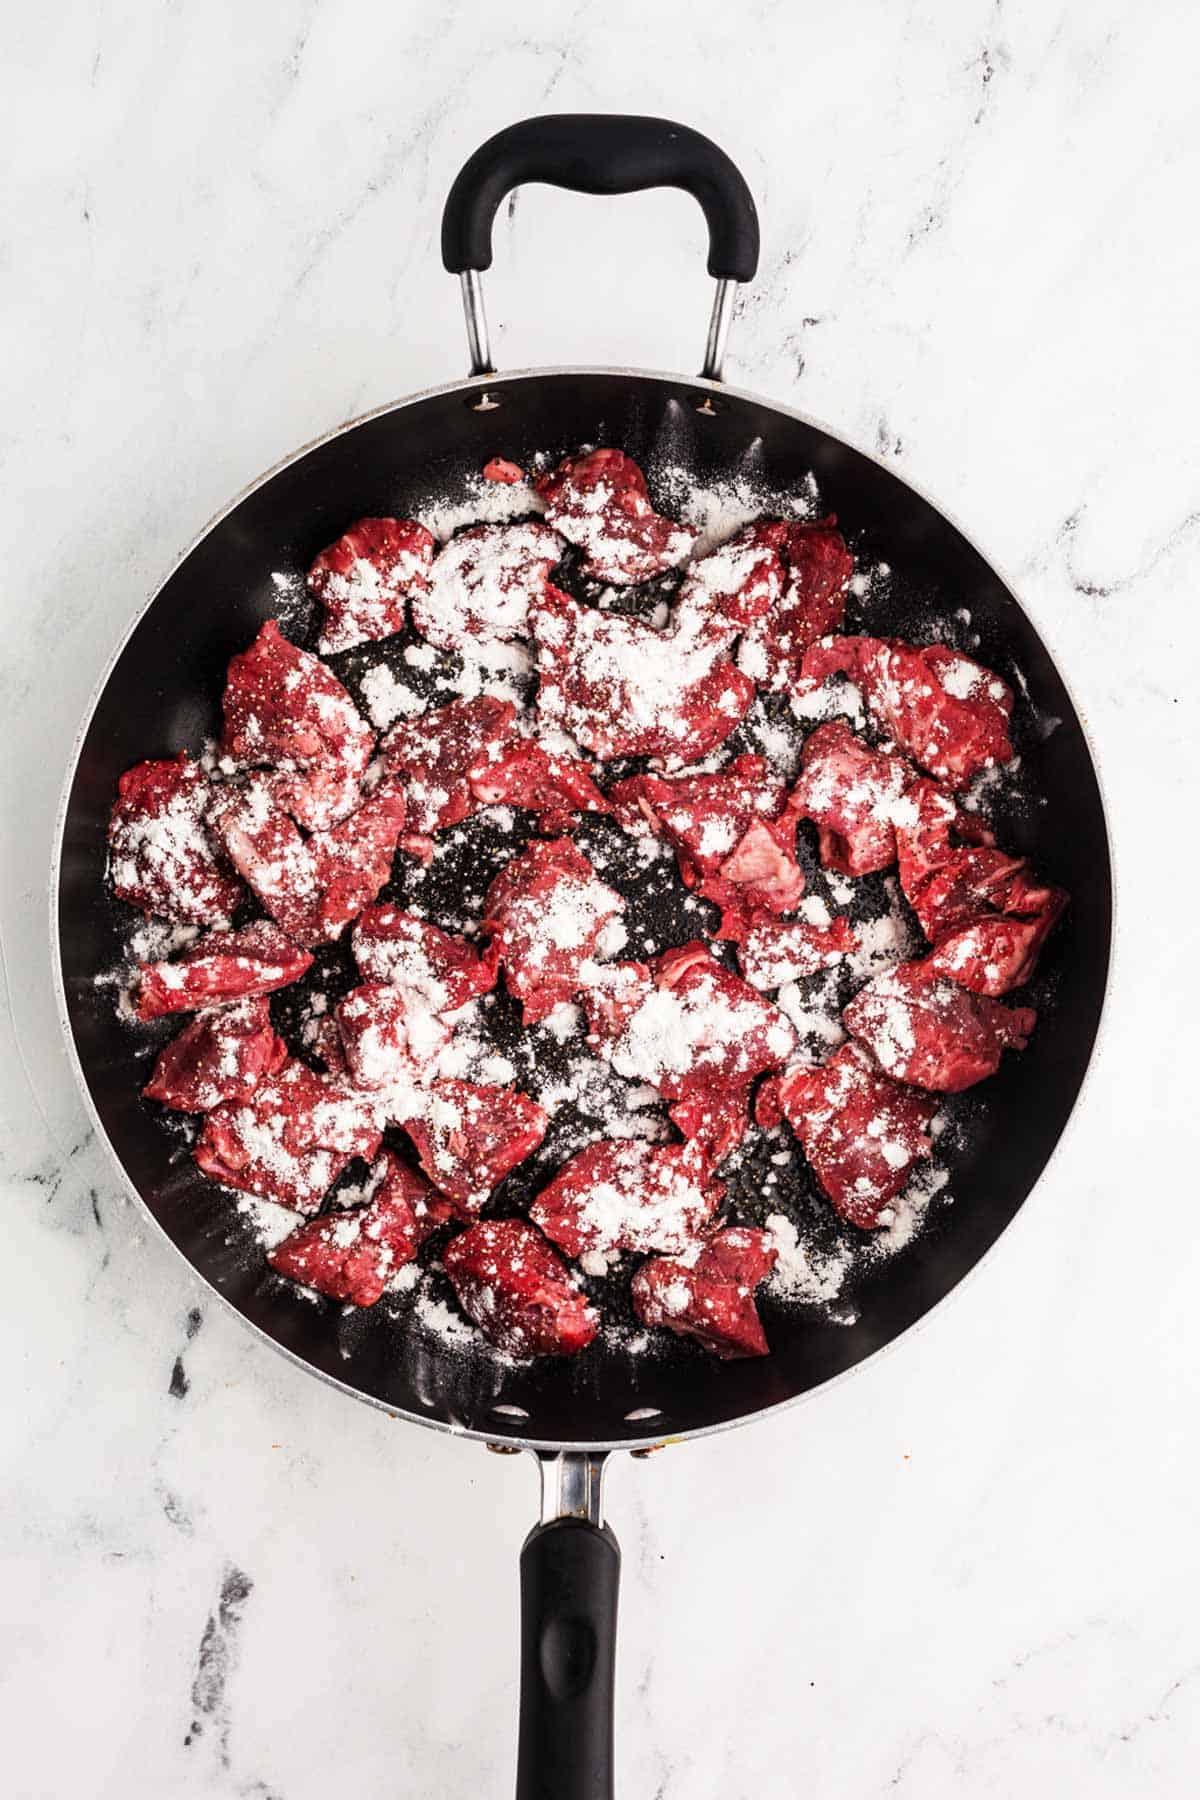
(724,592)
(220,1055)
(271,854)
(518,1290)
(600,502)
(290,1140)
(714,1118)
(498,468)
(733,831)
(542,781)
(775,951)
(468,1138)
(354,858)
(160,858)
(621,688)
(923,1028)
(547,911)
(945,711)
(437,754)
(862,1133)
(420,958)
(311,886)
(625,1194)
(481,585)
(855,796)
(364,579)
(389,1036)
(351,1256)
(816,569)
(710,1299)
(284,708)
(985,913)
(224,965)
(699,1026)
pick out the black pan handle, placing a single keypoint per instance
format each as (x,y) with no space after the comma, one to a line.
(599,153)
(569,1576)
(570,1571)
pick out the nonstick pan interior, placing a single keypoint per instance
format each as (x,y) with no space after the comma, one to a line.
(162,694)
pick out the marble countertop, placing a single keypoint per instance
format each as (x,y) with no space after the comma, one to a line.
(971,1570)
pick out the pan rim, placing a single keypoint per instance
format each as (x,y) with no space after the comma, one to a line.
(500,1434)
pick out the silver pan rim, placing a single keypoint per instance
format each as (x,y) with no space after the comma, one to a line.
(499,1434)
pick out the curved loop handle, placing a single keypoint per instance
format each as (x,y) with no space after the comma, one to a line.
(599,153)
(569,1576)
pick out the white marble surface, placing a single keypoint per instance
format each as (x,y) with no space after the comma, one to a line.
(970,1571)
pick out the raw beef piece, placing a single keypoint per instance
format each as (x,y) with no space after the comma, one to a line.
(419,958)
(541,781)
(362,580)
(312,886)
(625,1194)
(924,1029)
(352,1256)
(271,855)
(614,992)
(698,1030)
(733,834)
(283,707)
(714,1118)
(945,711)
(724,592)
(855,796)
(159,855)
(712,1298)
(546,912)
(221,1055)
(224,965)
(817,567)
(761,876)
(621,688)
(518,1291)
(481,585)
(862,1133)
(437,754)
(354,859)
(986,915)
(389,1037)
(999,951)
(290,1140)
(498,468)
(923,844)
(600,502)
(775,951)
(468,1138)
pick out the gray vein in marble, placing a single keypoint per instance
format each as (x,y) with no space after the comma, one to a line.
(180,1382)
(1165,548)
(215,1662)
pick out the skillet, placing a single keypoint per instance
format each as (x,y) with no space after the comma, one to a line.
(161,693)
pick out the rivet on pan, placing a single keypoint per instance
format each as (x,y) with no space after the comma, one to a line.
(505,1449)
(485,403)
(650,1450)
(706,407)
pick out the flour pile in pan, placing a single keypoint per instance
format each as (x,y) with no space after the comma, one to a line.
(768,1181)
